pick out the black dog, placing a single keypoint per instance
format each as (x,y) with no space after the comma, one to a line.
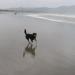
(30,36)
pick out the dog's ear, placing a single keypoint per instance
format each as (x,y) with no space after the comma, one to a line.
(34,33)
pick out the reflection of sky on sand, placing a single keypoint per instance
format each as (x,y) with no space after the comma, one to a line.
(55,17)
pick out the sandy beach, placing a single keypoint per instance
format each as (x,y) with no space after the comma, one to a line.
(53,55)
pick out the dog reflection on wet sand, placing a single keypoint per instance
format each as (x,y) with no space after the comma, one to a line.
(29,49)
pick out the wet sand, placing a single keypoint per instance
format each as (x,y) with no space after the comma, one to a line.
(53,55)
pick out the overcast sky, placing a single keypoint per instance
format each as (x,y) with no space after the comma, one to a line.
(34,3)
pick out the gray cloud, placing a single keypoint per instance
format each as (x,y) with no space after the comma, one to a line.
(34,3)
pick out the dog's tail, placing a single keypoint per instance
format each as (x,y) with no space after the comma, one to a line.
(25,31)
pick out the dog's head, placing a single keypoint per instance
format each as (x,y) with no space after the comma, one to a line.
(35,34)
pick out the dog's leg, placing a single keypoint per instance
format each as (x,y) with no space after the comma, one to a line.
(31,42)
(28,40)
(35,39)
